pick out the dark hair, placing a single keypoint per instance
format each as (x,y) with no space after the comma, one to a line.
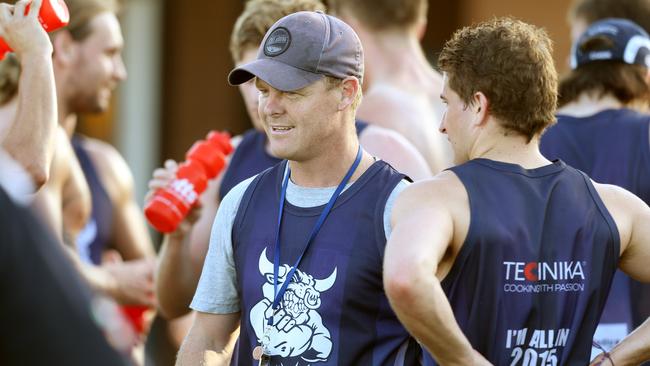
(510,62)
(625,82)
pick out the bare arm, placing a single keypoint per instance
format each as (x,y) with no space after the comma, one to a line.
(182,253)
(632,217)
(396,150)
(30,139)
(209,340)
(130,236)
(423,230)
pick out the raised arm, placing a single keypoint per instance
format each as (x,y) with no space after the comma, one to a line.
(423,232)
(30,139)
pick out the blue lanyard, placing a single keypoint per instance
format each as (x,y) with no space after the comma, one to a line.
(314,231)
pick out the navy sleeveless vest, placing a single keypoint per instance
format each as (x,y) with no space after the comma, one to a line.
(531,279)
(335,309)
(94,237)
(611,147)
(251,157)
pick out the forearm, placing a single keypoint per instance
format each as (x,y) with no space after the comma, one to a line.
(424,310)
(635,348)
(176,279)
(30,140)
(197,350)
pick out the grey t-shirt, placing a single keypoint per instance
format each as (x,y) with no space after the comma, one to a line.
(217,292)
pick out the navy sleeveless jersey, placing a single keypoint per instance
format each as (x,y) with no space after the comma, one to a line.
(611,147)
(530,282)
(335,307)
(94,237)
(250,157)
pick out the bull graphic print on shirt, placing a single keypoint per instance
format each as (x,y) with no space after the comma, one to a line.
(298,332)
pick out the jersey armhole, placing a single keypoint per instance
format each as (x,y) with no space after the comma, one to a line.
(604,212)
(469,242)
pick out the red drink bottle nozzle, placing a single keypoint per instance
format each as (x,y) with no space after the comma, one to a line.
(53,15)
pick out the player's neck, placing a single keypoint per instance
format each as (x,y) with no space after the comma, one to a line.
(394,56)
(588,105)
(67,120)
(511,148)
(328,168)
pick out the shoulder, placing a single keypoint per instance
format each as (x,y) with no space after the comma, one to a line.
(444,191)
(626,209)
(378,134)
(111,167)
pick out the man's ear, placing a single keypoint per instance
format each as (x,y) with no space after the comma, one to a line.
(65,47)
(480,105)
(349,88)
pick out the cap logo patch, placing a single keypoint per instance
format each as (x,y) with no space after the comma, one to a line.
(277,42)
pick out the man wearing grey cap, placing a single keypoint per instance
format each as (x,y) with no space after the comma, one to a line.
(295,257)
(602,131)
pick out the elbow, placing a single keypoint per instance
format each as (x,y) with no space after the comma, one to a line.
(401,289)
(40,176)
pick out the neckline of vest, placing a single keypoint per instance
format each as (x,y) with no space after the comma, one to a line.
(553,168)
(345,195)
(608,113)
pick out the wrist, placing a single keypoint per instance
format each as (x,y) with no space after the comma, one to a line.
(36,56)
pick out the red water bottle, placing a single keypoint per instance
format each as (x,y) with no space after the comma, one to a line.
(169,206)
(54,14)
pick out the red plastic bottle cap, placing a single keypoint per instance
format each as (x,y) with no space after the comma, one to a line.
(222,140)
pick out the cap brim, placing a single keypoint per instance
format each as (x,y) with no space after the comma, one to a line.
(277,74)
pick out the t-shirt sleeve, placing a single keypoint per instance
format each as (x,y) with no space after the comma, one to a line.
(217,289)
(390,202)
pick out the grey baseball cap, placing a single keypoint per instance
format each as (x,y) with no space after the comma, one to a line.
(300,49)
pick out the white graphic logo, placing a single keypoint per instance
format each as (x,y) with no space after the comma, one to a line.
(298,331)
(541,277)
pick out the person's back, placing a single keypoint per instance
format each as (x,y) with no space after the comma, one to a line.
(611,146)
(600,132)
(402,90)
(507,259)
(551,272)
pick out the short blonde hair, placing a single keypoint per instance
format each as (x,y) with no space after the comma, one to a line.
(257,19)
